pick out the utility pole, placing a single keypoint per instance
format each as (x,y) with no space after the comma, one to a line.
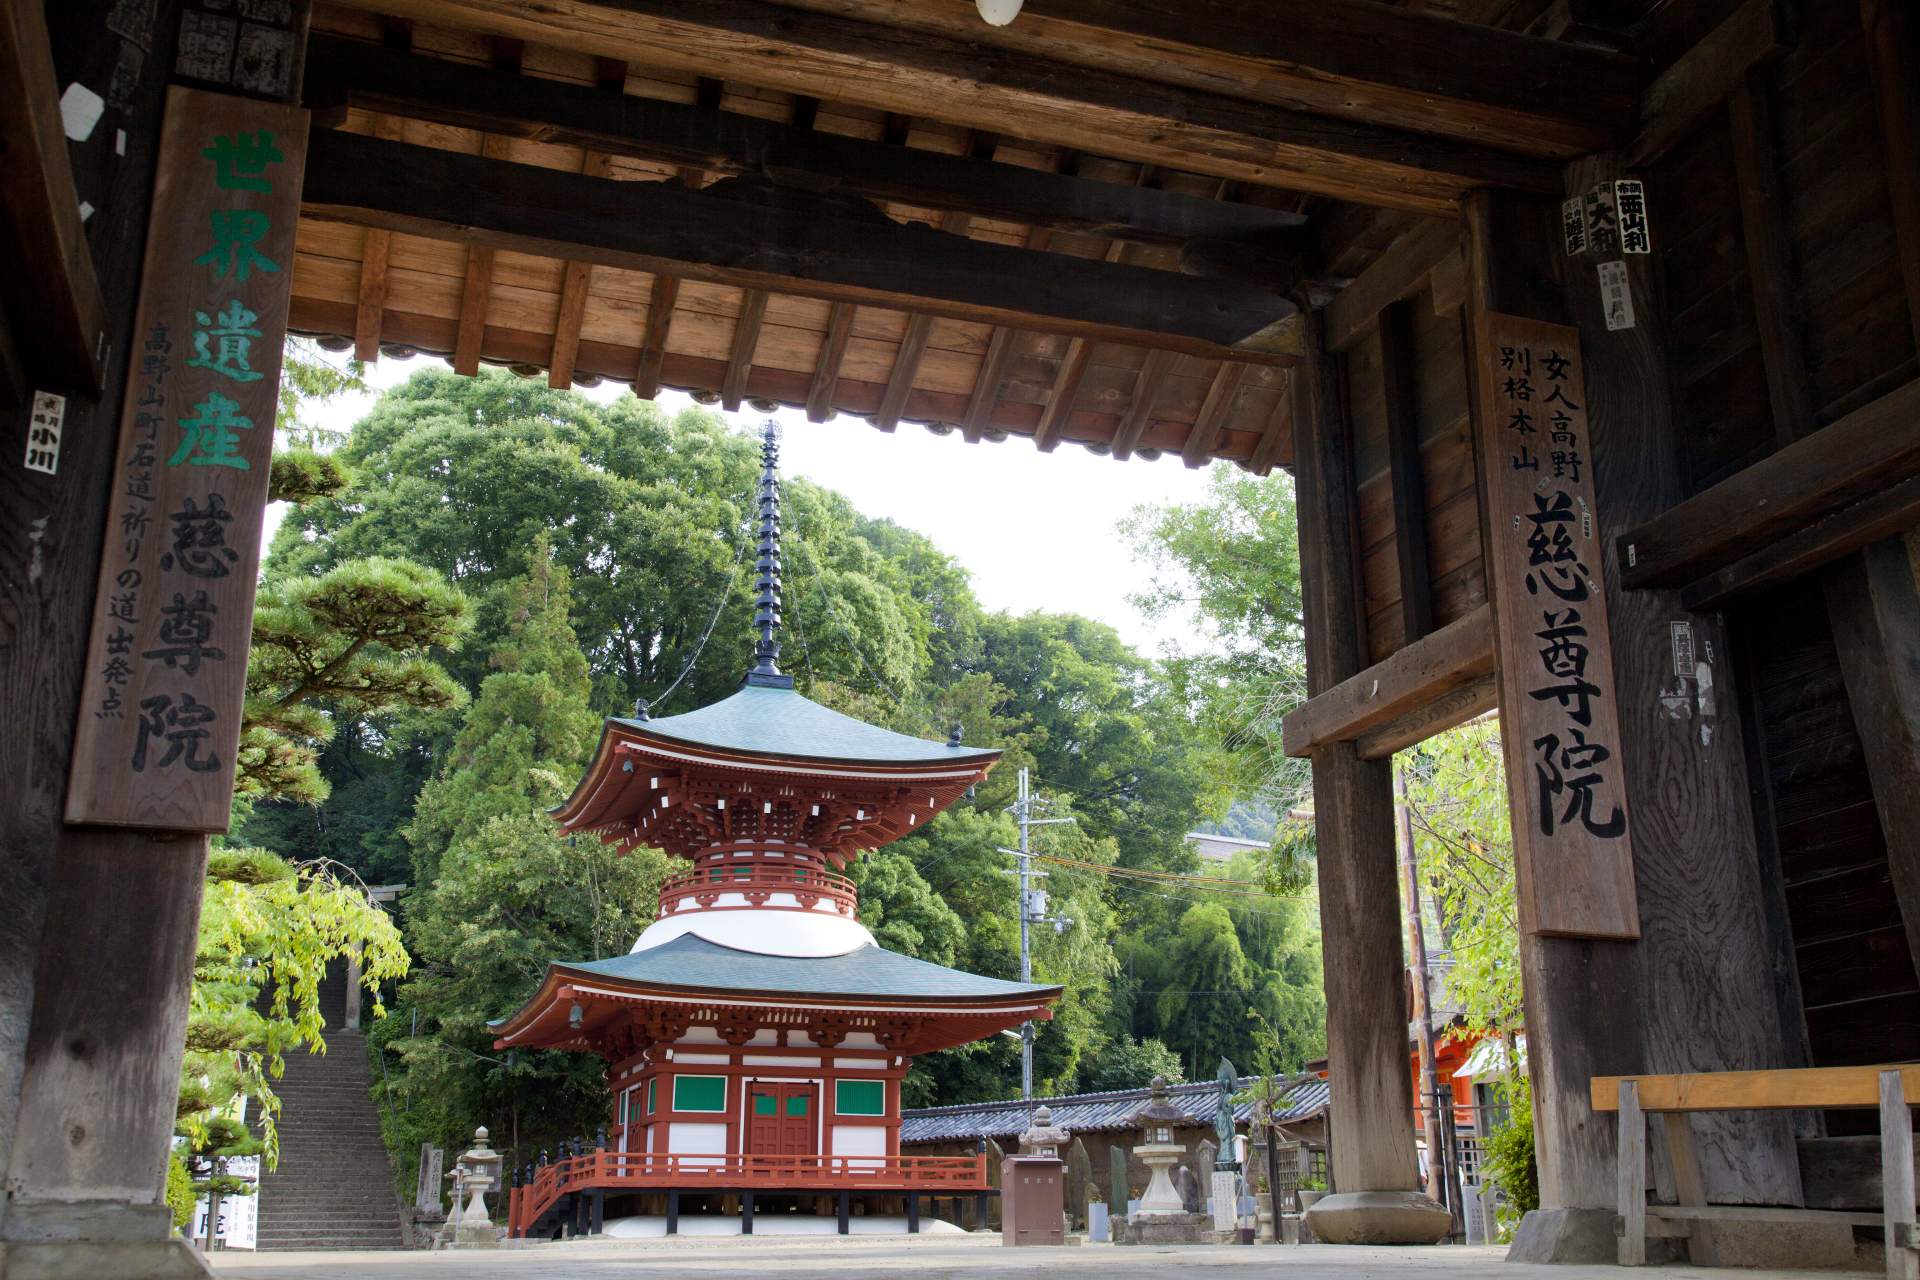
(1442,1173)
(1033,910)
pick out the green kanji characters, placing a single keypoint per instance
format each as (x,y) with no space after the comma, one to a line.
(241,161)
(224,343)
(211,439)
(236,233)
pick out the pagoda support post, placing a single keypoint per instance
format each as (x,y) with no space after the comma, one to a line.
(1376,1198)
(843,1210)
(598,1226)
(746,1213)
(913,1213)
(673,1213)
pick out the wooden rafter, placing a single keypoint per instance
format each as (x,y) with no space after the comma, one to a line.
(1275,436)
(1350,58)
(1208,423)
(956,80)
(653,343)
(906,366)
(746,336)
(660,226)
(826,369)
(699,138)
(1066,389)
(575,280)
(986,387)
(1146,391)
(371,301)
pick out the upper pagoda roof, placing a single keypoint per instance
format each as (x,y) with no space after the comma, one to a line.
(761,720)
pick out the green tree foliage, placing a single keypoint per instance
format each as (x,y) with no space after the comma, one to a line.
(1128,1063)
(1457,795)
(500,894)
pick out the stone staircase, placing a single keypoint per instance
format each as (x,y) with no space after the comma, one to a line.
(334,1186)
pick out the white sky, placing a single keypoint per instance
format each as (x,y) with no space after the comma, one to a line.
(1036,531)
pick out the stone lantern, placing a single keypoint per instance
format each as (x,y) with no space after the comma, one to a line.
(1043,1139)
(478,1171)
(1161,1216)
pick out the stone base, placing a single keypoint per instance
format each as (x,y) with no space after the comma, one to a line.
(1167,1228)
(95,1259)
(1577,1237)
(1379,1217)
(1783,1245)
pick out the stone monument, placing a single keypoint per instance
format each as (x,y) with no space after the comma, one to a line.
(1162,1216)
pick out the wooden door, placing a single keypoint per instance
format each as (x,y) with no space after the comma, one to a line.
(781,1119)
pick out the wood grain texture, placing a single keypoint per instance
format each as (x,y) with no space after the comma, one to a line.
(986,388)
(1455,656)
(1146,392)
(158,732)
(662,227)
(1399,396)
(826,369)
(1574,861)
(746,339)
(1215,411)
(906,366)
(705,139)
(1826,540)
(1065,391)
(1632,1176)
(887,68)
(1703,985)
(1353,817)
(575,282)
(1871,448)
(51,290)
(1457,706)
(1821,1088)
(1395,274)
(1700,80)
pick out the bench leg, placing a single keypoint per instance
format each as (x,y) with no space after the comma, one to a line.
(1690,1187)
(1630,1177)
(1896,1177)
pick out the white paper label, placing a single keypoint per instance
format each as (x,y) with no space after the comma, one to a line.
(43,432)
(1630,202)
(1616,295)
(1573,226)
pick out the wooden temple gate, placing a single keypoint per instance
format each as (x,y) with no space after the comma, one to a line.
(1366,242)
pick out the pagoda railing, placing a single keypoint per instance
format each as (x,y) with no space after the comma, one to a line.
(618,1171)
(757,882)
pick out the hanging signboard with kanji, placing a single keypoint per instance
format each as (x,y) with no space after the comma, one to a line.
(1559,721)
(166,667)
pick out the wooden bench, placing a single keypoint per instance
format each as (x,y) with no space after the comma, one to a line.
(1892,1089)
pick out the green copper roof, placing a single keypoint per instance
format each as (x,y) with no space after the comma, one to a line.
(690,961)
(772,721)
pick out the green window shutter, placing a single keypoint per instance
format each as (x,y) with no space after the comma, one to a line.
(765,1104)
(859,1097)
(650,1085)
(699,1093)
(797,1105)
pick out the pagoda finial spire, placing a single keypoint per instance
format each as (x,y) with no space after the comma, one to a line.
(766,601)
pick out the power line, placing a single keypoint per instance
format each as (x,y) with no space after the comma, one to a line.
(726,594)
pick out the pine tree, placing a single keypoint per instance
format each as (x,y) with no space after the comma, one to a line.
(499,894)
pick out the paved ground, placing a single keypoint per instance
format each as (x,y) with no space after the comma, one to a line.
(928,1259)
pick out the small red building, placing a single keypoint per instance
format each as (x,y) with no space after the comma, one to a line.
(756,1035)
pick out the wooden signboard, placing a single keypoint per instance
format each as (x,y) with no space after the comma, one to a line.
(173,612)
(1559,722)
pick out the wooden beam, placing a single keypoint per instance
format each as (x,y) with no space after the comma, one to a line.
(906,366)
(474,291)
(1399,399)
(375,251)
(826,369)
(653,342)
(1396,274)
(50,289)
(746,337)
(1881,515)
(1478,697)
(1442,76)
(959,81)
(986,387)
(1809,1088)
(1066,389)
(701,139)
(1213,415)
(1279,431)
(1870,449)
(1146,390)
(791,248)
(1770,265)
(574,283)
(1703,78)
(1892,47)
(1455,656)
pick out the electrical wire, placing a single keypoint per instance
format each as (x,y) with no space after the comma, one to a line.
(726,594)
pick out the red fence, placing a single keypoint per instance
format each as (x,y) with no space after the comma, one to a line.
(618,1171)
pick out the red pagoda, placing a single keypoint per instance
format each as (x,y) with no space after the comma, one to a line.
(756,1035)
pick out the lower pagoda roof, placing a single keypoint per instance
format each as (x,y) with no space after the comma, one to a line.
(775,721)
(701,979)
(868,972)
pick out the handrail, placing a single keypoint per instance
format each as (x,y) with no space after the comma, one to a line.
(651,1170)
(759,879)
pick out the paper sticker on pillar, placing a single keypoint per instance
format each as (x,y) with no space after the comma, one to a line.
(1616,295)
